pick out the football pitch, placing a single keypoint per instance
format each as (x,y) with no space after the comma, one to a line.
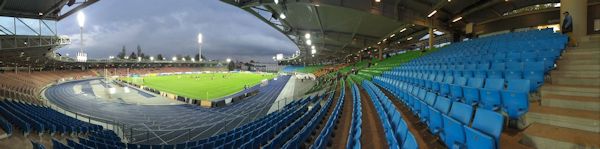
(207,86)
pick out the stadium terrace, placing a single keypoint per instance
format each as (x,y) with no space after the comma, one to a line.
(299,74)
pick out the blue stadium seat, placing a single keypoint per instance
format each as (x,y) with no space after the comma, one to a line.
(401,131)
(445,86)
(459,115)
(485,130)
(490,94)
(442,106)
(511,74)
(515,98)
(456,92)
(534,72)
(471,91)
(410,142)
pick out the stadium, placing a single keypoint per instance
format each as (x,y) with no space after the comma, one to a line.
(428,74)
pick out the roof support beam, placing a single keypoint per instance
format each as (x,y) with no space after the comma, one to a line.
(79,7)
(55,7)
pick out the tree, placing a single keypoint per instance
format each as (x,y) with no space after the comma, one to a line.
(159,57)
(139,51)
(133,56)
(231,66)
(122,54)
(188,58)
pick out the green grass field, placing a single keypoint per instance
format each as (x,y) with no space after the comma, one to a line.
(202,86)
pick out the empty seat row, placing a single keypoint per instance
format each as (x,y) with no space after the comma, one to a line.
(323,138)
(355,131)
(396,129)
(452,121)
(6,126)
(510,96)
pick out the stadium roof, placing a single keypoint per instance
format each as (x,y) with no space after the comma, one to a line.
(41,9)
(341,27)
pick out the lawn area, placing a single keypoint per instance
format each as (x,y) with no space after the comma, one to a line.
(202,86)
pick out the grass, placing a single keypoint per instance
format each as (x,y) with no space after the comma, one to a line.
(202,86)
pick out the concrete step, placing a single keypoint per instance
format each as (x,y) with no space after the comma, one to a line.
(576,81)
(575,61)
(563,117)
(575,74)
(578,51)
(571,90)
(591,38)
(548,136)
(589,44)
(571,102)
(593,67)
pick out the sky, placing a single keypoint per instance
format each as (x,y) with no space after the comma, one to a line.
(171,27)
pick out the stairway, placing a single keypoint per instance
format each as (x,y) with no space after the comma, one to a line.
(569,113)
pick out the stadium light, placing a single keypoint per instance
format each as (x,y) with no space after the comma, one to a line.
(200,47)
(313,51)
(276,1)
(432,13)
(200,38)
(151,58)
(404,29)
(457,19)
(307,35)
(174,58)
(126,57)
(139,59)
(282,16)
(309,42)
(409,38)
(81,56)
(80,18)
(229,60)
(193,59)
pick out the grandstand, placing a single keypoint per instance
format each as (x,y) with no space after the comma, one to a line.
(470,74)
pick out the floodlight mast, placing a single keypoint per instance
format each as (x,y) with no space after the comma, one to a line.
(199,47)
(81,21)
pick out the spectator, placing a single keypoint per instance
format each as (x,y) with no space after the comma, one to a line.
(567,28)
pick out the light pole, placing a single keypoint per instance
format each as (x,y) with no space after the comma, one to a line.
(199,47)
(81,56)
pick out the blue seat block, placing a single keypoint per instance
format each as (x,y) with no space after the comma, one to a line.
(515,98)
(476,139)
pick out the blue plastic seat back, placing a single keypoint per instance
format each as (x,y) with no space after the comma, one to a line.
(494,84)
(513,74)
(430,98)
(476,139)
(475,82)
(471,92)
(421,94)
(488,122)
(401,131)
(499,66)
(515,98)
(410,142)
(534,66)
(448,79)
(514,66)
(460,81)
(435,120)
(443,104)
(461,112)
(483,66)
(453,131)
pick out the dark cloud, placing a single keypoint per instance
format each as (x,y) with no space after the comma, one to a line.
(171,28)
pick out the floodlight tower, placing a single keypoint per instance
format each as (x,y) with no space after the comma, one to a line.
(81,56)
(199,47)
